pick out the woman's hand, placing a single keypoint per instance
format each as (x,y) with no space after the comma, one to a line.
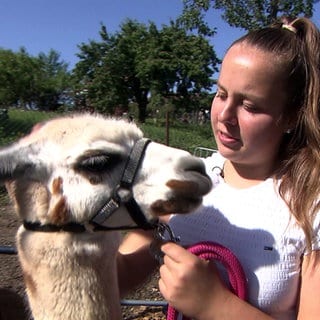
(191,285)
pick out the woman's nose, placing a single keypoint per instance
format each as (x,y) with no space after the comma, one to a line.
(228,114)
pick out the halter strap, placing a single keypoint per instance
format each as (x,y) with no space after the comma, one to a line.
(122,195)
(122,198)
(69,227)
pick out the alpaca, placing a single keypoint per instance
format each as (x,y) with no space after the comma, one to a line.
(71,183)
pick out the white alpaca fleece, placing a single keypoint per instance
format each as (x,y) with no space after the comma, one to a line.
(63,173)
(70,277)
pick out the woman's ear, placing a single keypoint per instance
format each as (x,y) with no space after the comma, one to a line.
(289,124)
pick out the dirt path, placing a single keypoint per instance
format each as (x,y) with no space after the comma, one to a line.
(12,302)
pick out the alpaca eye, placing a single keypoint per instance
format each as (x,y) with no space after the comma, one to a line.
(97,163)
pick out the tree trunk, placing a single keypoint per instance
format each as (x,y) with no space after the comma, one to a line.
(142,101)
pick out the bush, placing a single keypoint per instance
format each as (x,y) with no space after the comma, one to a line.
(4,116)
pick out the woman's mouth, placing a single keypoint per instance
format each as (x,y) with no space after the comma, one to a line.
(227,139)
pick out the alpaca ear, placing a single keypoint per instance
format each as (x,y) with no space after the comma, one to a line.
(14,162)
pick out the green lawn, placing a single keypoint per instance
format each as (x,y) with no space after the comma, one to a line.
(19,123)
(183,136)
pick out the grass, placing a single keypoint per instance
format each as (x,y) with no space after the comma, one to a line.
(20,123)
(183,136)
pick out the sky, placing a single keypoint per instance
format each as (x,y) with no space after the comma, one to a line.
(41,25)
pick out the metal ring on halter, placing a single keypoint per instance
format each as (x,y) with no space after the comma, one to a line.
(162,233)
(162,229)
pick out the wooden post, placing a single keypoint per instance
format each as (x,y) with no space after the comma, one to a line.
(167,127)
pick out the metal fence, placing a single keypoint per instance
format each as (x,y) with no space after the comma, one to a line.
(203,152)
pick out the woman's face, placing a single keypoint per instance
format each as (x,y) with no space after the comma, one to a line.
(247,111)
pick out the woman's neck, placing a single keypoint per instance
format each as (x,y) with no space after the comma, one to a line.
(244,176)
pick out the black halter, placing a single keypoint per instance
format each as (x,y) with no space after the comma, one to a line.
(121,200)
(123,197)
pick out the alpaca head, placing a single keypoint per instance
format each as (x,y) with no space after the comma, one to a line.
(67,169)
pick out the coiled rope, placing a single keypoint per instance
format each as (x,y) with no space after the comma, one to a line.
(214,251)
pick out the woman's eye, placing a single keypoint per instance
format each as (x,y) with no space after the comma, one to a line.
(221,95)
(97,163)
(250,108)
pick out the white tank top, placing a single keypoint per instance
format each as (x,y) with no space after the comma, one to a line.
(254,224)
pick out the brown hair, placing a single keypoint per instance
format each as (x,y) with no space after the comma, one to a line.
(296,47)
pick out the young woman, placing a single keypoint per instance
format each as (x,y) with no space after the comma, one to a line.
(264,205)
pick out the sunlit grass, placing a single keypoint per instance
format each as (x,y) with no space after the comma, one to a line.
(183,136)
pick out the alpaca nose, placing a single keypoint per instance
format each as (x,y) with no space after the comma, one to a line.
(194,171)
(193,164)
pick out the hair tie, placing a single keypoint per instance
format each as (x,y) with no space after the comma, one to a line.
(289,27)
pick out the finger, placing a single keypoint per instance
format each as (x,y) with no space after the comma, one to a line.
(167,273)
(162,288)
(175,252)
(166,279)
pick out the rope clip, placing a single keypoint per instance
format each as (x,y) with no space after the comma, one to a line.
(162,234)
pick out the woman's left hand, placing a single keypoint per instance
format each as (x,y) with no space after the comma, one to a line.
(190,284)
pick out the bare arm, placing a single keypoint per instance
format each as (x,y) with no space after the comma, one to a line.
(134,255)
(309,307)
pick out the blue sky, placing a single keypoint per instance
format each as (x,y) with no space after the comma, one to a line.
(41,25)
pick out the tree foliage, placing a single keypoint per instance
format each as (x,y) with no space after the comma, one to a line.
(140,63)
(250,14)
(28,81)
(54,80)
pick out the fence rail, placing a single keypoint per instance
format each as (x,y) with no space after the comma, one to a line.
(203,152)
(8,250)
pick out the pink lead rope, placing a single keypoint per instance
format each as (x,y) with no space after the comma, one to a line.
(214,251)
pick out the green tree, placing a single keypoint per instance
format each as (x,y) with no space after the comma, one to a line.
(108,72)
(92,85)
(26,83)
(53,80)
(32,81)
(8,75)
(248,15)
(182,65)
(140,62)
(18,77)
